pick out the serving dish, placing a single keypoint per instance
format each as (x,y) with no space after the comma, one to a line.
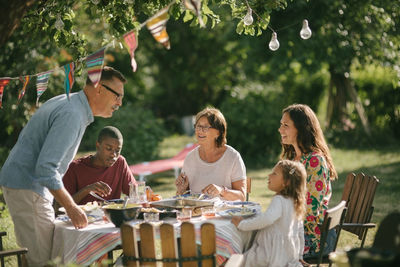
(180,203)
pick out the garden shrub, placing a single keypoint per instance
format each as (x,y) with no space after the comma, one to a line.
(141,130)
(253,122)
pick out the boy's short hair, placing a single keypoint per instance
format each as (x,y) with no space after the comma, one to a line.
(109,131)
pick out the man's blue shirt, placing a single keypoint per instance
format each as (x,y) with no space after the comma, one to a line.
(47,145)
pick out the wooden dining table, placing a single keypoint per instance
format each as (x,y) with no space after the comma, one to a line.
(85,246)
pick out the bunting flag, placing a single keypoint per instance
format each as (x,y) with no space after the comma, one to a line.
(131,42)
(69,77)
(41,83)
(195,6)
(94,64)
(25,81)
(157,27)
(3,83)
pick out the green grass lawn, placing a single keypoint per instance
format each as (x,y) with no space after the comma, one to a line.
(383,163)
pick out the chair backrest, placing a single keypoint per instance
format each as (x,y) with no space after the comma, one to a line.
(388,235)
(170,256)
(359,191)
(248,188)
(334,217)
(19,252)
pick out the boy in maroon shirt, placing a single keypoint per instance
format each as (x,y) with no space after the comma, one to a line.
(106,173)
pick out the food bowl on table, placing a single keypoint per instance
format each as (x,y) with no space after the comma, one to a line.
(117,214)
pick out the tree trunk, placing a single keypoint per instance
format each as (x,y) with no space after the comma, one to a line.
(13,12)
(341,92)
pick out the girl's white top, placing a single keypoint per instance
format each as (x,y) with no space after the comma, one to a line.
(280,239)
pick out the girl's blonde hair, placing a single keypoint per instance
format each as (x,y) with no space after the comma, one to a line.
(294,178)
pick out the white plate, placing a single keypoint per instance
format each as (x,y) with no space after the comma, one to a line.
(246,212)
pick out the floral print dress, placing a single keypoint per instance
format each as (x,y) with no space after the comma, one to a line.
(319,192)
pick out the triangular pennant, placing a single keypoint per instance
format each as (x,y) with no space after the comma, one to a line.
(69,77)
(157,27)
(131,42)
(41,83)
(195,6)
(3,83)
(94,64)
(25,81)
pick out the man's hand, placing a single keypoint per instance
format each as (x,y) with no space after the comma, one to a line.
(100,188)
(77,216)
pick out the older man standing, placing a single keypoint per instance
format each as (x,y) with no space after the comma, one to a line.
(32,174)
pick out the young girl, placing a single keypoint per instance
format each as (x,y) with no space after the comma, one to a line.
(280,239)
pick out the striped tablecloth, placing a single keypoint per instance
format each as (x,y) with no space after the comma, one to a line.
(84,246)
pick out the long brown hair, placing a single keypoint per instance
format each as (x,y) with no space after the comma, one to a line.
(310,137)
(294,178)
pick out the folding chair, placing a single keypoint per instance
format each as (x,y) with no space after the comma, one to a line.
(333,218)
(359,191)
(12,252)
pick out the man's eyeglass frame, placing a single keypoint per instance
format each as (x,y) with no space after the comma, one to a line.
(118,95)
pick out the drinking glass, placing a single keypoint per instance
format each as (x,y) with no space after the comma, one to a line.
(137,192)
(141,191)
(184,215)
(151,216)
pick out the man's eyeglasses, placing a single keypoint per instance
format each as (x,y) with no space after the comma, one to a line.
(118,95)
(204,129)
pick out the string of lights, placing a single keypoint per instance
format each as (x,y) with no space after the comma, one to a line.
(305,32)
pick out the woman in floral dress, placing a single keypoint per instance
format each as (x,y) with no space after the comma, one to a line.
(303,140)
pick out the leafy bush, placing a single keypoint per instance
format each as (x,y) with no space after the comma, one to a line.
(253,122)
(380,96)
(142,133)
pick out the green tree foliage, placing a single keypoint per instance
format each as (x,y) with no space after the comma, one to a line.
(141,130)
(346,34)
(42,35)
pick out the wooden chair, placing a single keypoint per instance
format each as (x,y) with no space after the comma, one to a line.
(145,253)
(359,191)
(12,252)
(333,218)
(248,188)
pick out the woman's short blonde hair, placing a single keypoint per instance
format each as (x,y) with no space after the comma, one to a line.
(217,121)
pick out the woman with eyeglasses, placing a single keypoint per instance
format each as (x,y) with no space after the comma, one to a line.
(213,168)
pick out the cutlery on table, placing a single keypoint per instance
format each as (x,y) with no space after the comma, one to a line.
(99,197)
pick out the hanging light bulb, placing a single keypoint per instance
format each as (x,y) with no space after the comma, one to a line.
(59,24)
(274,43)
(248,19)
(305,32)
